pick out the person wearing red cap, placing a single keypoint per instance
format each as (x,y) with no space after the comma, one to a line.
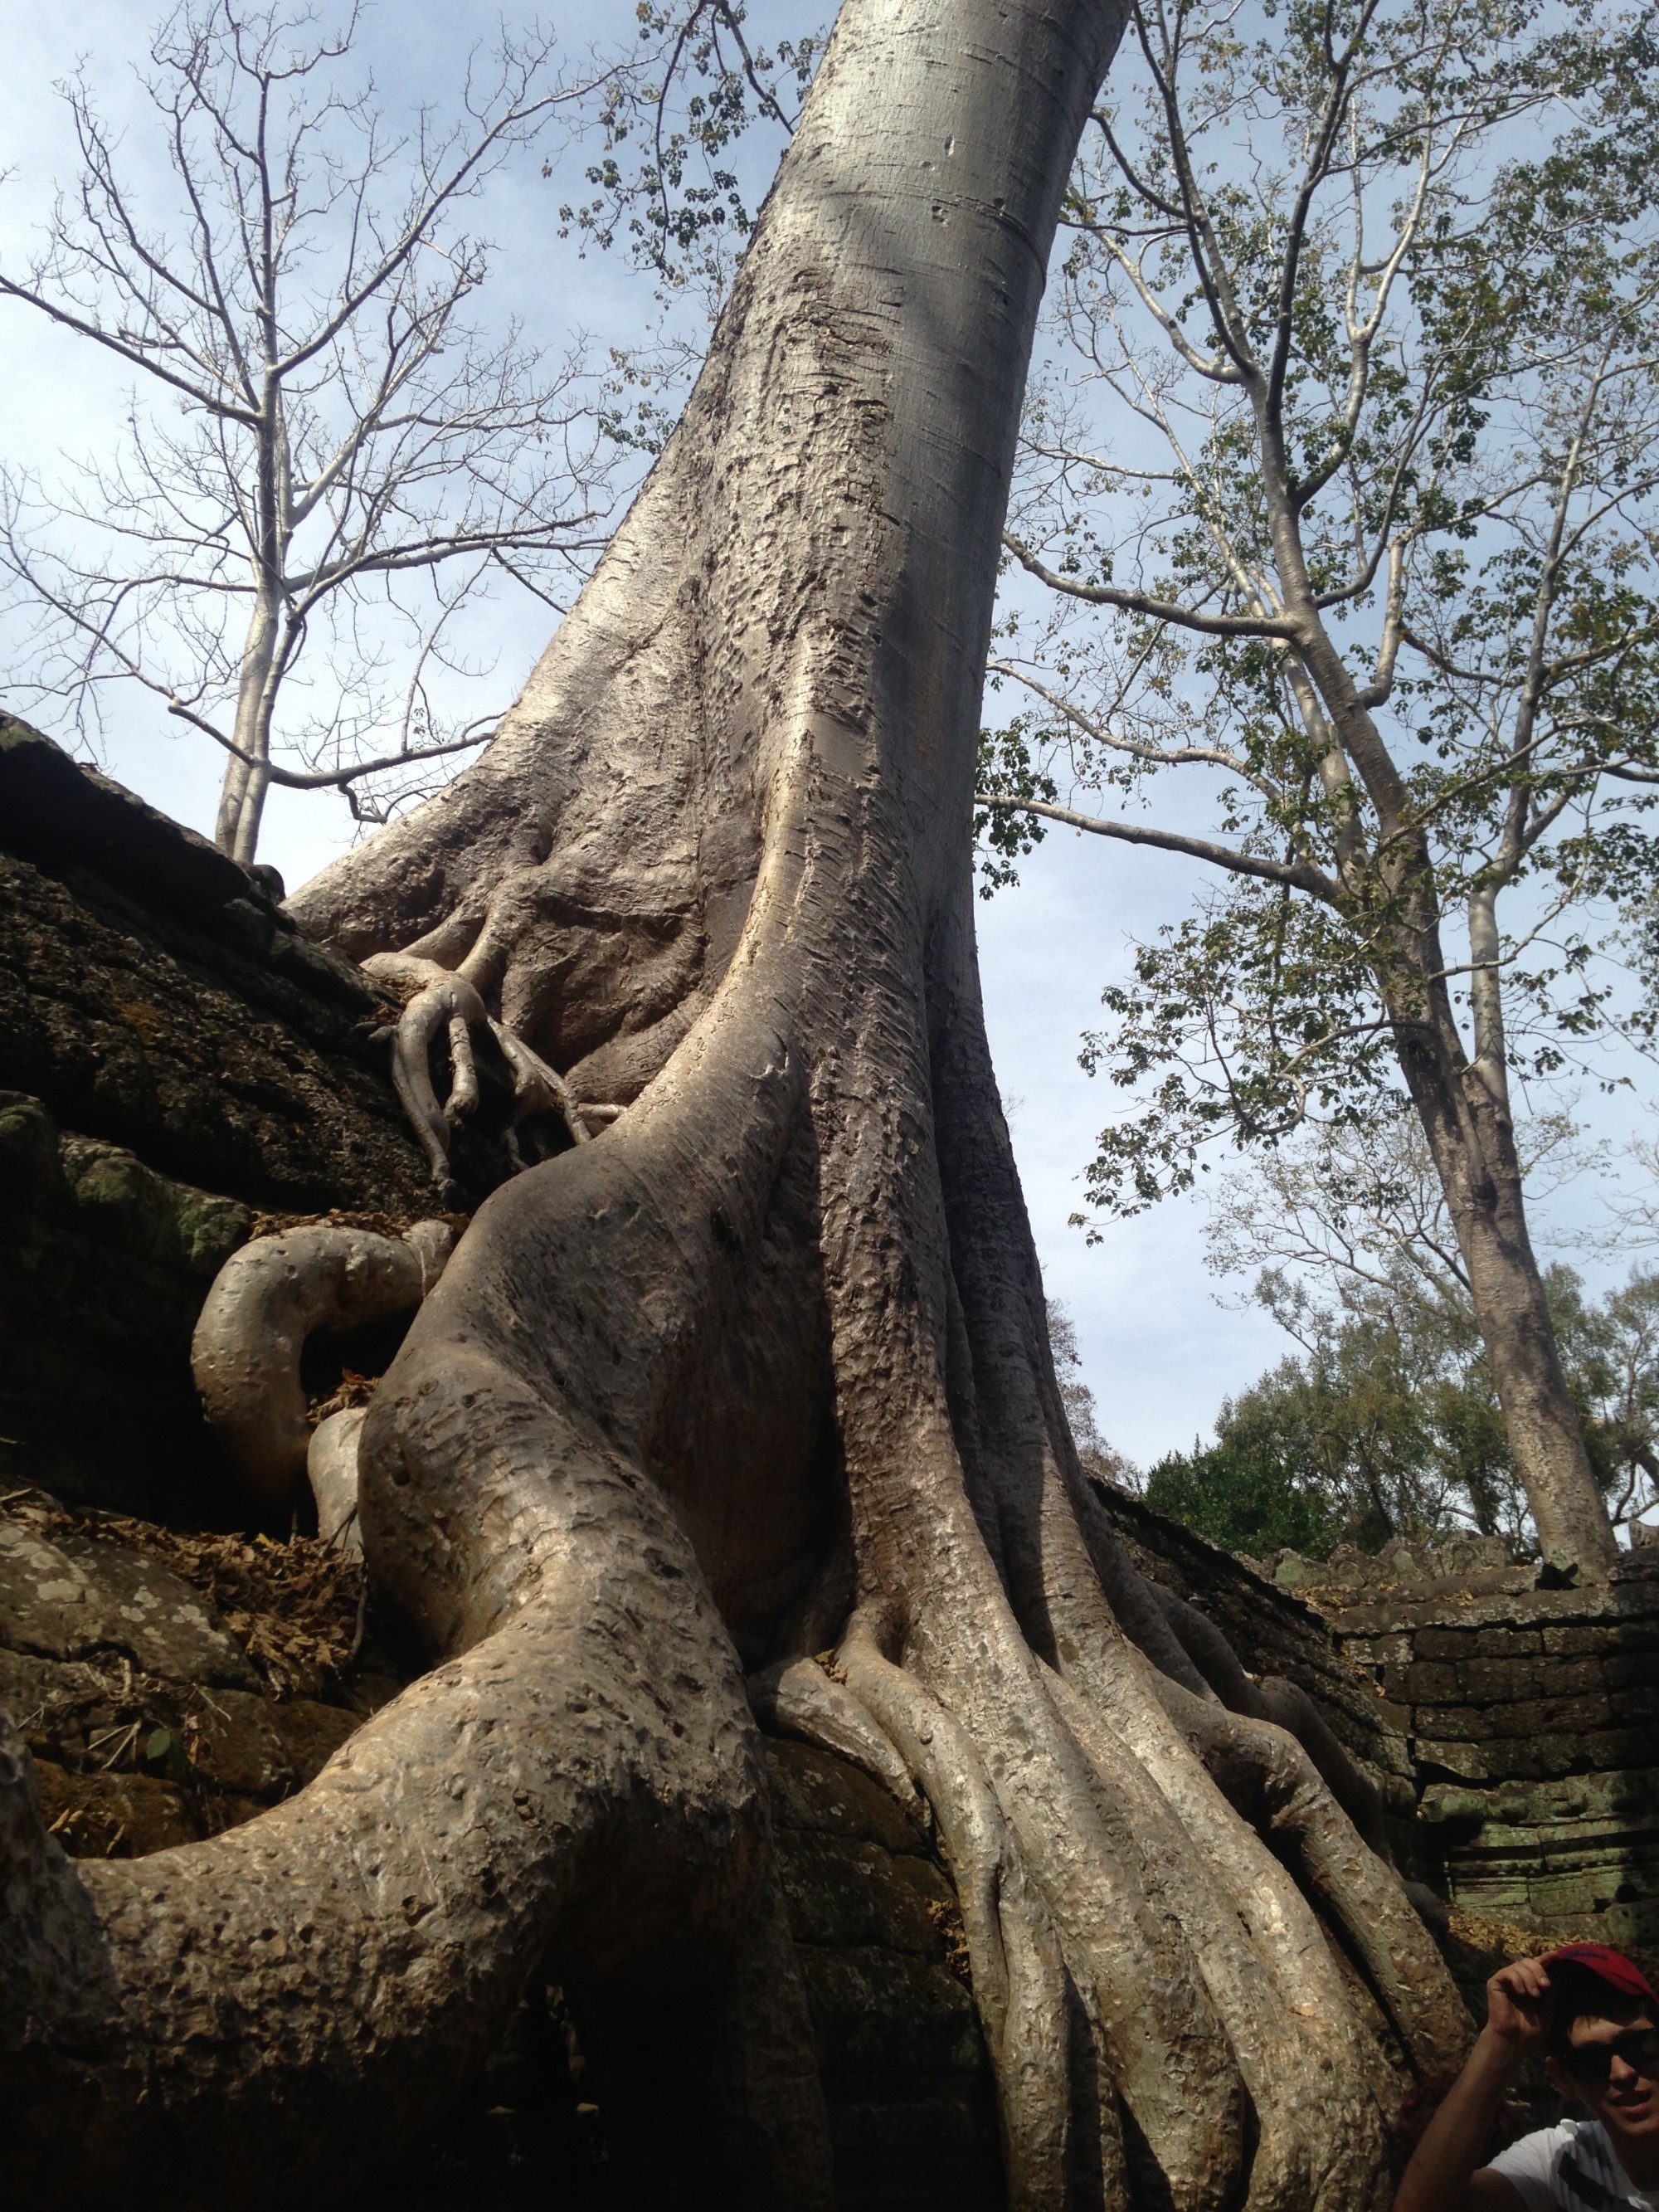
(1595,2016)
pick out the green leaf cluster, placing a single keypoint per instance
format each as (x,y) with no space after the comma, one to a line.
(1386,1425)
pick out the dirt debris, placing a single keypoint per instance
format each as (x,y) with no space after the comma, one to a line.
(295,1607)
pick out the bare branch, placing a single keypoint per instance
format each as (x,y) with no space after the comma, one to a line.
(1156,610)
(1299,875)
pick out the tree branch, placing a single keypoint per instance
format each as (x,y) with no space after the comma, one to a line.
(1156,610)
(1299,875)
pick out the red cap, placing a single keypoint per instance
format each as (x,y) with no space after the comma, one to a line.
(1608,1966)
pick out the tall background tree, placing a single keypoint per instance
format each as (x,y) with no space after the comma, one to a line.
(1342,503)
(325,458)
(763,1370)
(1383,1423)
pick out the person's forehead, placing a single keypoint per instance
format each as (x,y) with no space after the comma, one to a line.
(1618,2018)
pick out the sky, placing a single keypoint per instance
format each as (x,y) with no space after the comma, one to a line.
(1159,1349)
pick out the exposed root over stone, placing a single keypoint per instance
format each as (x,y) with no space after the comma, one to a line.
(332,1471)
(446,1002)
(264,1303)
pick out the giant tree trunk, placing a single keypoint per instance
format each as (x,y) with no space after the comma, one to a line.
(762,1368)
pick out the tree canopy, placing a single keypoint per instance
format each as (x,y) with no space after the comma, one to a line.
(1384,1423)
(1341,497)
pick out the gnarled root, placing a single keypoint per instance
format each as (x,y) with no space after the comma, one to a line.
(574,1787)
(1019,1977)
(440,1001)
(265,1301)
(445,999)
(1287,1705)
(1266,1772)
(291,2001)
(1319,2091)
(332,1471)
(801,1698)
(538,1088)
(1275,1758)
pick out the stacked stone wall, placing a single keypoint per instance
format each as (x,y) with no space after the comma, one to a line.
(175,1061)
(1512,1728)
(1531,1718)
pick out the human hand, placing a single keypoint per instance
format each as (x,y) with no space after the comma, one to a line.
(1519,2004)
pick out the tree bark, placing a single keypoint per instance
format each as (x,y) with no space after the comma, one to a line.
(1466,1120)
(242,794)
(763,1367)
(1463,1108)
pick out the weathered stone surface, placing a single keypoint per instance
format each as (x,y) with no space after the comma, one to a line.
(1532,1720)
(103,1267)
(96,1815)
(145,1715)
(311,1733)
(62,814)
(1526,1719)
(1450,1617)
(1506,1641)
(172,1056)
(207,1062)
(237,1747)
(71,1601)
(912,2103)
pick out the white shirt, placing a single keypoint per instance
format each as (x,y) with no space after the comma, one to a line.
(1572,2168)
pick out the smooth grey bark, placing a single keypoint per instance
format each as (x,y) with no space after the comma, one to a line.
(1462,1105)
(247,771)
(1464,1109)
(763,1367)
(264,1302)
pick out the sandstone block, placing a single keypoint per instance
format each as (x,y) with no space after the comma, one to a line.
(1465,1761)
(1444,1644)
(1502,1641)
(830,1797)
(113,1815)
(842,1894)
(1454,1724)
(1569,1642)
(1587,1708)
(311,1734)
(238,1748)
(1492,1682)
(73,1599)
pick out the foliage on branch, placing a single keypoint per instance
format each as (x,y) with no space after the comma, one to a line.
(667,183)
(1384,1423)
